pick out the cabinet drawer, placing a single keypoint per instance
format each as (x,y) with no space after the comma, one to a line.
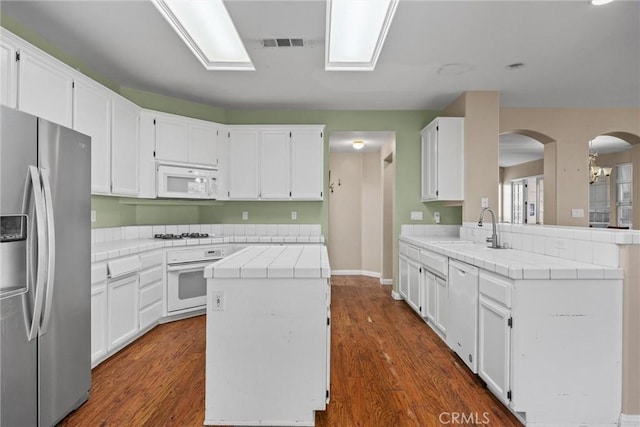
(414,253)
(150,315)
(150,259)
(496,287)
(123,266)
(151,294)
(438,264)
(98,273)
(149,276)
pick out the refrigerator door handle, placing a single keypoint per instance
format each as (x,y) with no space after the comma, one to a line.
(51,250)
(33,183)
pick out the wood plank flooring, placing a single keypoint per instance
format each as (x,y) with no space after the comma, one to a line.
(387,369)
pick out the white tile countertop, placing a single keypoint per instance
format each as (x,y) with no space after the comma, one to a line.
(115,242)
(513,263)
(273,262)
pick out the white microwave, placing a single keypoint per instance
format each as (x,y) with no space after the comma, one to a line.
(185,182)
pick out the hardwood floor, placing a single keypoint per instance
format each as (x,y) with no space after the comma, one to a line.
(387,369)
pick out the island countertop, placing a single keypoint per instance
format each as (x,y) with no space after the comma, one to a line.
(267,262)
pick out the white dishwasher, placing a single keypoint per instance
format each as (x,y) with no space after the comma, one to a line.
(462,331)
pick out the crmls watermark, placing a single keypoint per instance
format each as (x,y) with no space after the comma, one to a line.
(464,418)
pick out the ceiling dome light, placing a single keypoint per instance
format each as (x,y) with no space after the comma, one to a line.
(358,144)
(600,2)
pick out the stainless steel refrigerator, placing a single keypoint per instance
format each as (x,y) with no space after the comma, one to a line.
(45,311)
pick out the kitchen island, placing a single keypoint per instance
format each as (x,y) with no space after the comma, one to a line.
(268,336)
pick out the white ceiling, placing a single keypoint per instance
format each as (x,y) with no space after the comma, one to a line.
(575,54)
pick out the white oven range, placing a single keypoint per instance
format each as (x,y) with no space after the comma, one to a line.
(186,285)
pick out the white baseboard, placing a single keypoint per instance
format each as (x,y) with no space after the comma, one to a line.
(396,296)
(354,273)
(386,281)
(629,420)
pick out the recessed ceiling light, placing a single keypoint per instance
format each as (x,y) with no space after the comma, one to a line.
(358,144)
(356,30)
(515,66)
(207,29)
(600,2)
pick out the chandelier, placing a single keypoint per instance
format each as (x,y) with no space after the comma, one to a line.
(596,172)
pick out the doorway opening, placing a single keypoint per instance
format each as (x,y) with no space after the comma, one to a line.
(361,204)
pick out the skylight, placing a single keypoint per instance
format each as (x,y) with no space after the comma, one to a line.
(356,30)
(206,27)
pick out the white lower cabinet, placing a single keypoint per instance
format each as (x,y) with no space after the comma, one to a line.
(123,311)
(98,322)
(430,299)
(530,340)
(442,304)
(494,346)
(151,280)
(414,296)
(403,277)
(98,312)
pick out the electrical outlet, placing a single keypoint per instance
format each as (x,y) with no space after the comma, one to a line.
(245,215)
(93,216)
(484,202)
(436,217)
(218,301)
(294,215)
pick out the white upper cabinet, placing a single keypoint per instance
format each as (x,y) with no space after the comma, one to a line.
(203,138)
(185,140)
(8,72)
(443,159)
(125,147)
(45,87)
(274,164)
(172,133)
(92,116)
(307,163)
(243,164)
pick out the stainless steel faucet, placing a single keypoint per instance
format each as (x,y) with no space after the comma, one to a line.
(494,237)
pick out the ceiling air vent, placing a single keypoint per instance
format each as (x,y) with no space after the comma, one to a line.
(287,42)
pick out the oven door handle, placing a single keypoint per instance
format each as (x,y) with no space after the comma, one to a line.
(191,265)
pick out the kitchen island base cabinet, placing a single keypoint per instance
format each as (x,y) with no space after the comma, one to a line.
(267,360)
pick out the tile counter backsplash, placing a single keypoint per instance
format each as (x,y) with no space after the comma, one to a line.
(100,235)
(589,245)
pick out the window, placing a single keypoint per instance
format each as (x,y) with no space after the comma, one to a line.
(624,199)
(527,200)
(517,202)
(540,198)
(599,203)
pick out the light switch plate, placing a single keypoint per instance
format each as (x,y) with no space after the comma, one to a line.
(218,301)
(484,202)
(577,213)
(416,216)
(93,216)
(245,215)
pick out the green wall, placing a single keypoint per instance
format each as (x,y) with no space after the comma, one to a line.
(115,211)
